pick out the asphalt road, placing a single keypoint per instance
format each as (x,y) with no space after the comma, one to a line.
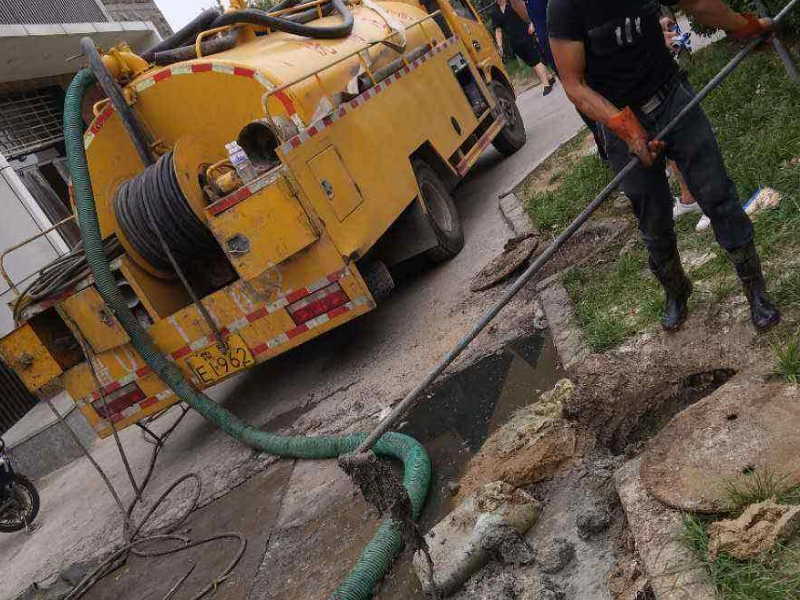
(340,382)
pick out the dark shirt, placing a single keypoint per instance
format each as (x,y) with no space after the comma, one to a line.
(510,22)
(537,9)
(626,58)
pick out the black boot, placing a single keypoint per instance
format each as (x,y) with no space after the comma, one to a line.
(677,289)
(748,268)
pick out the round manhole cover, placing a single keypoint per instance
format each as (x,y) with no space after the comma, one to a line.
(515,253)
(742,434)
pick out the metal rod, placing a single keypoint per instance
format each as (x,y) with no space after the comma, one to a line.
(412,397)
(780,49)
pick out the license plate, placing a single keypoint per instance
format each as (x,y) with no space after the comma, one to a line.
(214,362)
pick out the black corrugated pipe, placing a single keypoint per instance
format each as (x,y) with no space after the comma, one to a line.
(185,34)
(114,93)
(255,16)
(207,47)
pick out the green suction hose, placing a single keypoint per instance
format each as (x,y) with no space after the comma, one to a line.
(378,555)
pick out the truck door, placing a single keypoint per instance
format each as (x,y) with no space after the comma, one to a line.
(477,35)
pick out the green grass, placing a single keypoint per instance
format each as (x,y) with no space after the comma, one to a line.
(613,307)
(756,115)
(775,576)
(553,211)
(787,361)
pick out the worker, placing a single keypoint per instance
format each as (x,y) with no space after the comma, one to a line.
(510,17)
(616,69)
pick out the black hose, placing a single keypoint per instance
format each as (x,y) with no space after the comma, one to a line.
(154,198)
(185,34)
(255,16)
(113,91)
(207,47)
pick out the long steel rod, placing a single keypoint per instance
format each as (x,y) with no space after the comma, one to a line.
(411,399)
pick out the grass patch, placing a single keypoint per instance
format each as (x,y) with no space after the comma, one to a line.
(554,210)
(614,306)
(787,361)
(756,116)
(776,578)
(758,487)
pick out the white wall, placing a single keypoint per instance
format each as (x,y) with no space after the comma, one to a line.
(20,218)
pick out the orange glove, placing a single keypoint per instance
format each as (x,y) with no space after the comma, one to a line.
(754,28)
(627,127)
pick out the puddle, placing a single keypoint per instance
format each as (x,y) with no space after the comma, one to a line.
(457,417)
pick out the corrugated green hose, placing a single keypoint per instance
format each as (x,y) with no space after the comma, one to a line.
(378,555)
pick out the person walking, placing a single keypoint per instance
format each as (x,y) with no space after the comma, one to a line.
(616,69)
(510,18)
(538,12)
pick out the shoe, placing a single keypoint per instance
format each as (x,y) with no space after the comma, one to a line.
(677,289)
(703,224)
(763,312)
(547,89)
(681,209)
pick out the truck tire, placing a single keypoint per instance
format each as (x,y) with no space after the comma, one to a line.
(378,278)
(441,213)
(24,485)
(512,137)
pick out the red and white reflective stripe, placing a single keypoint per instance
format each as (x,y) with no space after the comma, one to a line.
(284,338)
(184,69)
(131,411)
(348,107)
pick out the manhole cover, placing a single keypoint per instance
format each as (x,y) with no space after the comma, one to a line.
(515,253)
(744,430)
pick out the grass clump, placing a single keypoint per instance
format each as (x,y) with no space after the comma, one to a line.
(758,486)
(787,361)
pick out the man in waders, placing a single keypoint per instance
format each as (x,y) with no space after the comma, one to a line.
(616,69)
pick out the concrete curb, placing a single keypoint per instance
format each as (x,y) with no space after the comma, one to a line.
(672,569)
(567,336)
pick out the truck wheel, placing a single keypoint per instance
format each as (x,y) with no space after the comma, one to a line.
(379,280)
(441,213)
(512,137)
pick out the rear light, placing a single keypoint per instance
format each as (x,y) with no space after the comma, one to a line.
(119,401)
(319,303)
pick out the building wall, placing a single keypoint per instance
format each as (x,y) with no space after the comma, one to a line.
(138,10)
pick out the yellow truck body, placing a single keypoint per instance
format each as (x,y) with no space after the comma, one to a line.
(295,235)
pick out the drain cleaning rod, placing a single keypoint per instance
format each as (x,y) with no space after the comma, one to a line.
(410,401)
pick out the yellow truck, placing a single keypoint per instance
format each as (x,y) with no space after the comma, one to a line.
(289,171)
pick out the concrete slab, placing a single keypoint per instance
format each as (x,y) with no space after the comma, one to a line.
(673,570)
(744,429)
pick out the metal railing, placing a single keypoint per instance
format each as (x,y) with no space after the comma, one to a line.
(15,399)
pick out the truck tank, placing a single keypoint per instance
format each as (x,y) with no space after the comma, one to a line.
(194,108)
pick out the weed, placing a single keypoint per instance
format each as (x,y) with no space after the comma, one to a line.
(787,361)
(758,486)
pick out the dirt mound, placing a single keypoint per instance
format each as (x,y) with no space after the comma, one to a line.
(627,396)
(533,445)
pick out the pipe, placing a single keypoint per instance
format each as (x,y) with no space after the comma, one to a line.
(114,93)
(185,34)
(255,16)
(168,57)
(412,398)
(377,556)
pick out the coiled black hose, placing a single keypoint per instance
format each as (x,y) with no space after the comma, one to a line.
(154,198)
(185,34)
(255,16)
